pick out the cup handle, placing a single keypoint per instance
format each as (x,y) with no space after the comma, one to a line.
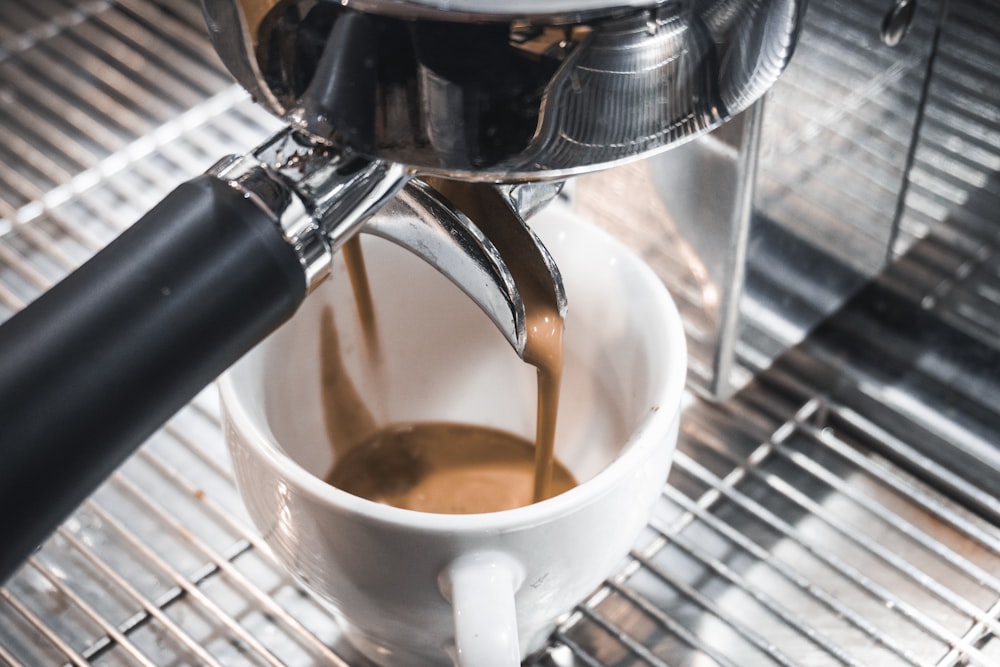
(481,587)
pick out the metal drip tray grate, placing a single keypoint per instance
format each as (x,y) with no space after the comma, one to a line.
(799,548)
(776,542)
(783,538)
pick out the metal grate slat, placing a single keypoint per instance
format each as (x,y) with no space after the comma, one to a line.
(83,605)
(705,603)
(24,612)
(788,572)
(224,565)
(888,598)
(740,488)
(190,590)
(149,607)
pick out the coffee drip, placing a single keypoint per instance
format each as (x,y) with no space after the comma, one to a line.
(438,466)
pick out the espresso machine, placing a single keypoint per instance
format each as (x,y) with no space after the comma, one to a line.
(815,185)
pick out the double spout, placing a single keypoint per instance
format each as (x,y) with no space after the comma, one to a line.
(319,198)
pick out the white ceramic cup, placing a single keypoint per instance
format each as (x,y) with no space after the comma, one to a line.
(413,588)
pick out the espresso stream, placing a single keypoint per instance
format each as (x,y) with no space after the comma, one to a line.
(438,466)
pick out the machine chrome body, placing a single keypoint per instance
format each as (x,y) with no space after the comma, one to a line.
(504,91)
(797,204)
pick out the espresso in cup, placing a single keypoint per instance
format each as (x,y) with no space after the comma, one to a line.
(446,468)
(442,467)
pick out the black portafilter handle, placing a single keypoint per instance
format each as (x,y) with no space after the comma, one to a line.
(96,364)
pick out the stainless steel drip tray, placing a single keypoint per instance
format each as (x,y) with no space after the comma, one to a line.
(789,534)
(781,539)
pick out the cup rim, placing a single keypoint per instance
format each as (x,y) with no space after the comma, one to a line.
(651,432)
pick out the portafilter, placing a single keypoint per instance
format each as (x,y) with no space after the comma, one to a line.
(375,93)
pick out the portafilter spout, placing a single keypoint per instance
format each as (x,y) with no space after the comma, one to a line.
(320,198)
(100,361)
